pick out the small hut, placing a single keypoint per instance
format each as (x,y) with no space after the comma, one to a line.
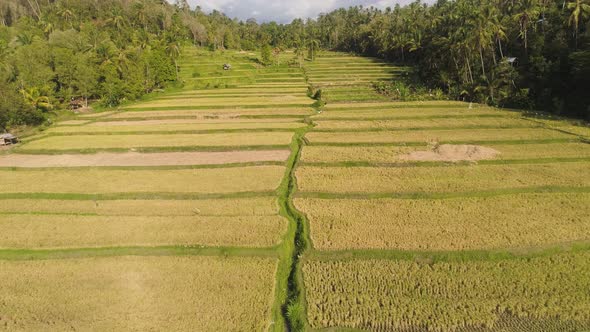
(8,139)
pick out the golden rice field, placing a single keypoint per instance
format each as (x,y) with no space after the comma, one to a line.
(466,223)
(147,127)
(212,114)
(197,293)
(401,113)
(97,180)
(153,122)
(402,238)
(388,295)
(429,123)
(392,154)
(375,240)
(438,135)
(399,104)
(280,100)
(72,142)
(63,231)
(257,206)
(437,179)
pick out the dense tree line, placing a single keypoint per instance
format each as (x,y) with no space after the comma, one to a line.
(525,53)
(521,53)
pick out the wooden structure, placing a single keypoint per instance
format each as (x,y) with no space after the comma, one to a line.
(8,139)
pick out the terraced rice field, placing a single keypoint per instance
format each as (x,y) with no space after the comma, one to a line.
(348,78)
(234,204)
(137,293)
(167,214)
(439,216)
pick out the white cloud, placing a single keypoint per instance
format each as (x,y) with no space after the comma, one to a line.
(284,11)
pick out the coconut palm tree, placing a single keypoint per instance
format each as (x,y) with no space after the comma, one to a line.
(580,11)
(527,13)
(173,51)
(35,97)
(313,46)
(299,52)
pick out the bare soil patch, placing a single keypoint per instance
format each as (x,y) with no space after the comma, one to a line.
(142,159)
(453,153)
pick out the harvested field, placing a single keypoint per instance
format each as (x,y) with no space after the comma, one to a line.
(390,295)
(60,231)
(393,154)
(512,221)
(137,294)
(439,135)
(445,179)
(145,128)
(178,140)
(142,159)
(215,180)
(428,123)
(258,206)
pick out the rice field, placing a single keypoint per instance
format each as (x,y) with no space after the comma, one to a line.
(102,181)
(82,142)
(386,295)
(385,112)
(466,223)
(71,231)
(439,215)
(210,114)
(395,154)
(441,180)
(195,293)
(173,128)
(209,208)
(232,207)
(429,123)
(165,214)
(289,100)
(437,135)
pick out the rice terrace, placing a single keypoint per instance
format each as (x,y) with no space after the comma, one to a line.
(245,183)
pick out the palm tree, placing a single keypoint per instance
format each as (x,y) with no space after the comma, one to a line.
(314,45)
(580,11)
(122,60)
(35,97)
(528,12)
(482,34)
(299,53)
(25,38)
(117,21)
(173,51)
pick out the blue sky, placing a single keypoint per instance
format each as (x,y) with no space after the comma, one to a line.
(284,11)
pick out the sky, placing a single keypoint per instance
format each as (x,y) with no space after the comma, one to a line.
(284,11)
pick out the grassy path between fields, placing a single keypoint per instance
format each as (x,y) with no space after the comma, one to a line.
(296,244)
